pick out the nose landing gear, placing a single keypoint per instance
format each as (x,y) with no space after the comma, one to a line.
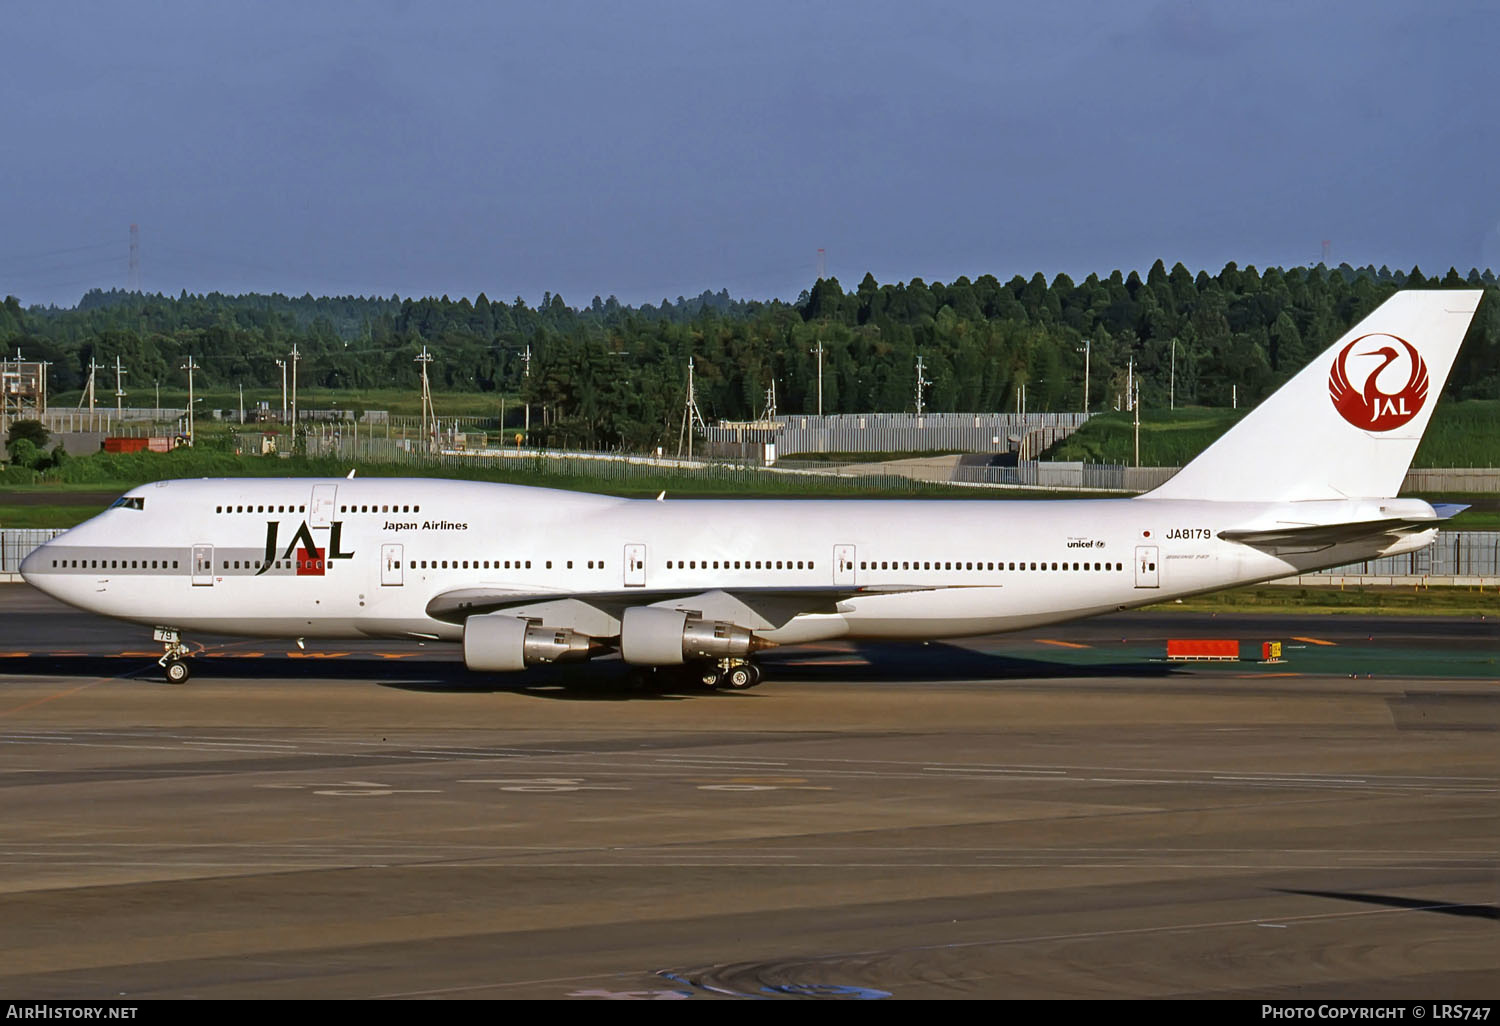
(171,662)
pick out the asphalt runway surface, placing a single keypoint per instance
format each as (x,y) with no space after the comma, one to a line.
(1052,814)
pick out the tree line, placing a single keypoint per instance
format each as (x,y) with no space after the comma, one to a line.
(609,375)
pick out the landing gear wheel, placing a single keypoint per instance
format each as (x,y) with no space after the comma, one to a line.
(171,663)
(740,678)
(710,677)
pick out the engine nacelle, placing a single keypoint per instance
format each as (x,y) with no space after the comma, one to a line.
(496,642)
(652,636)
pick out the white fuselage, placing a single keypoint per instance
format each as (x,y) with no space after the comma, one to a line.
(342,558)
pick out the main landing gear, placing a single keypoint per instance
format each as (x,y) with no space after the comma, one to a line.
(171,662)
(730,675)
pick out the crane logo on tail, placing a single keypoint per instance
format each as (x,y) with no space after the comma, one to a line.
(1371,408)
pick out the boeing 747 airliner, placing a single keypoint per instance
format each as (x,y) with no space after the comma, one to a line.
(522,575)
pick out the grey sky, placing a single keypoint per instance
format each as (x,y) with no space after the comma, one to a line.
(651,150)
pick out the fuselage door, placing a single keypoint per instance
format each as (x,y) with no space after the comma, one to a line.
(635,566)
(843,565)
(390,566)
(1146,575)
(203,565)
(320,511)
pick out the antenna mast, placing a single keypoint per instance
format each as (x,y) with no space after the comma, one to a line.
(527,360)
(296,358)
(120,392)
(427,415)
(922,383)
(88,389)
(692,420)
(190,366)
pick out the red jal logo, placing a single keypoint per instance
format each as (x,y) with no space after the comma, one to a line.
(1371,408)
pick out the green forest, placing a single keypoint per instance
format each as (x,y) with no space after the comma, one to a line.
(607,375)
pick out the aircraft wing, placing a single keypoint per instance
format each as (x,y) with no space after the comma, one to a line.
(755,608)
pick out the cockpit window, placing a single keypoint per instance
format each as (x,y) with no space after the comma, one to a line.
(129,502)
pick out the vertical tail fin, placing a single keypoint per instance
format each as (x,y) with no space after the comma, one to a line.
(1347,425)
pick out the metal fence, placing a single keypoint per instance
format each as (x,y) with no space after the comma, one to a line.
(1040,474)
(1117,477)
(1453,554)
(130,421)
(17,543)
(902,432)
(1460,480)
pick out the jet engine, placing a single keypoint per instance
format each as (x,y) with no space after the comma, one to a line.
(653,636)
(496,642)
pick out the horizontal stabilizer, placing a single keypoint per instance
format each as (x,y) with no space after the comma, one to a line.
(1323,535)
(1448,510)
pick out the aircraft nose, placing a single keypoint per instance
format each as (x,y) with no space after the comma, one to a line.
(36,567)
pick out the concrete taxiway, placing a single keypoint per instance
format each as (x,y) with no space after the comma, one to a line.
(1053,814)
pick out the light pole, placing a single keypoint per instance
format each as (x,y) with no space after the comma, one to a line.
(820,379)
(295,357)
(119,389)
(190,366)
(282,365)
(1135,404)
(1172,388)
(1087,344)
